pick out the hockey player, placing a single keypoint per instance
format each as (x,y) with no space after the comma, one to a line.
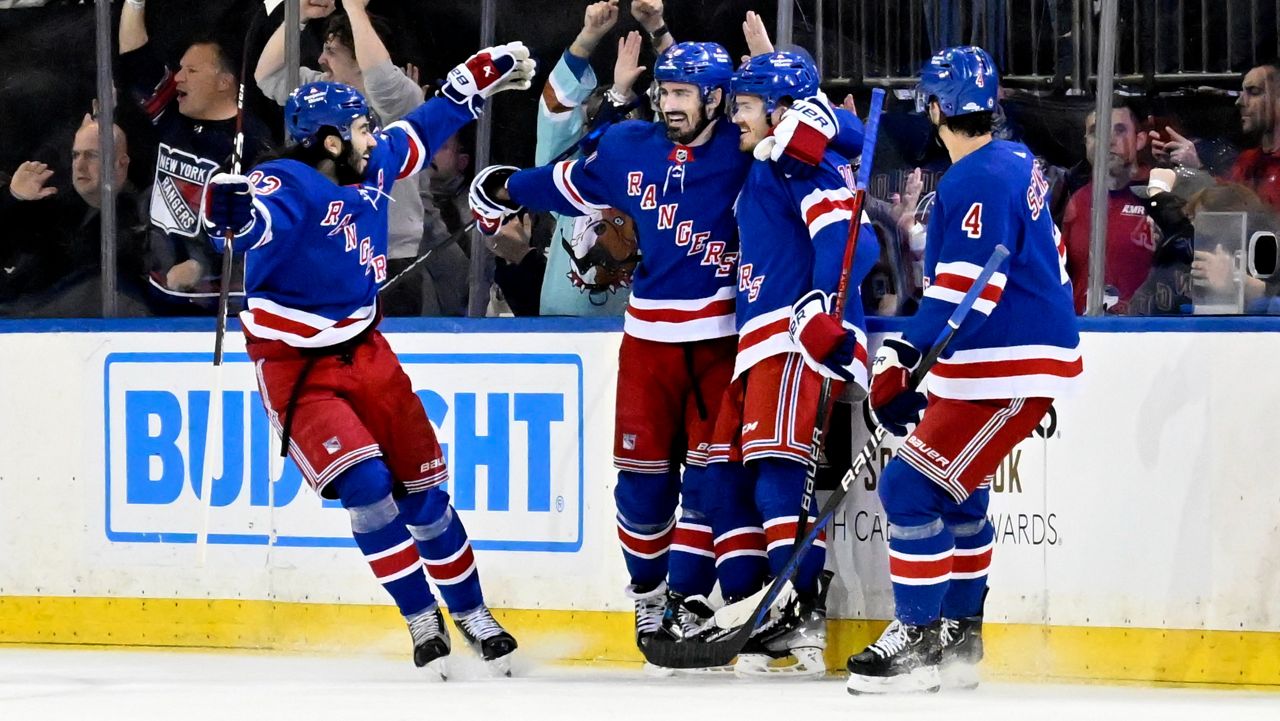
(678,180)
(793,233)
(314,226)
(1017,350)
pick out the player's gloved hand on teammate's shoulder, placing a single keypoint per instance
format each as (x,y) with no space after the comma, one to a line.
(488,72)
(490,205)
(895,403)
(828,346)
(228,205)
(800,139)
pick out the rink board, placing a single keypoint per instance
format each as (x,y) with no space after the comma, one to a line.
(1137,532)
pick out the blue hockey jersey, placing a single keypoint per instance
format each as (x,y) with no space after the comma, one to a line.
(681,199)
(793,235)
(317,252)
(1021,338)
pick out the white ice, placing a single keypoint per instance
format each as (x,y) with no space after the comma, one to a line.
(94,685)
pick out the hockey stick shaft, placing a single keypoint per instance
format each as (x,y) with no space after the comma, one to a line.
(720,651)
(214,432)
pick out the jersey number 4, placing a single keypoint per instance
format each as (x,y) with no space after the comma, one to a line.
(972,224)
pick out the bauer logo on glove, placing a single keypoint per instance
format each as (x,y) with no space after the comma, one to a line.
(603,252)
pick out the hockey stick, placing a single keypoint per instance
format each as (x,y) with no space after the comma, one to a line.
(720,649)
(214,431)
(825,404)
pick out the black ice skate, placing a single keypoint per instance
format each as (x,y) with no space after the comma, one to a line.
(650,607)
(905,659)
(961,641)
(430,642)
(488,639)
(798,631)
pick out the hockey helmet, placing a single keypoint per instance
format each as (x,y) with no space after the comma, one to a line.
(323,104)
(775,76)
(962,79)
(706,65)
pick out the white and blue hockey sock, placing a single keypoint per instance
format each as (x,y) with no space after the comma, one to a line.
(779,488)
(691,565)
(381,535)
(741,562)
(921,548)
(646,523)
(444,546)
(975,538)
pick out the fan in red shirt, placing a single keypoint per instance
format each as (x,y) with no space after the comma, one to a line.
(1130,243)
(1257,167)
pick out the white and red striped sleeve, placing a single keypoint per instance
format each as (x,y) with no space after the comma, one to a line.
(952,280)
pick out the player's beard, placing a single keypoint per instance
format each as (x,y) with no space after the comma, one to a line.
(684,139)
(344,166)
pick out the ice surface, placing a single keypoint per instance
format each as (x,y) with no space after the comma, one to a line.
(84,685)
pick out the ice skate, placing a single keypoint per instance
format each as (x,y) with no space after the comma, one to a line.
(686,619)
(961,641)
(430,643)
(798,632)
(905,659)
(488,638)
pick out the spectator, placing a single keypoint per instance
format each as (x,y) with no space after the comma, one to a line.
(355,53)
(193,111)
(1258,166)
(446,280)
(52,252)
(520,266)
(1130,242)
(562,121)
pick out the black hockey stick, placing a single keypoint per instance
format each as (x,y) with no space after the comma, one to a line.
(720,649)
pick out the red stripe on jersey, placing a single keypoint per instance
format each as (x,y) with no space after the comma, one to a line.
(644,546)
(692,537)
(666,315)
(455,570)
(745,540)
(568,183)
(1010,368)
(972,564)
(270,320)
(825,206)
(396,562)
(962,284)
(411,161)
(904,568)
(765,332)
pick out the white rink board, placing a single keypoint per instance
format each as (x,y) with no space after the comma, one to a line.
(1153,503)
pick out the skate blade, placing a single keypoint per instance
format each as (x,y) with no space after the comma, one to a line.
(499,667)
(436,671)
(803,664)
(961,676)
(925,679)
(653,671)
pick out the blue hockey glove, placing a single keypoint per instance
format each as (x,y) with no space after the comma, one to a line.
(228,205)
(488,72)
(895,404)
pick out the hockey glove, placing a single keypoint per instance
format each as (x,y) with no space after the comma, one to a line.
(895,404)
(490,212)
(801,137)
(228,205)
(488,72)
(827,345)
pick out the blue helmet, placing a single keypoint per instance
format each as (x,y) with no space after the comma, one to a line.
(963,80)
(317,105)
(777,75)
(706,65)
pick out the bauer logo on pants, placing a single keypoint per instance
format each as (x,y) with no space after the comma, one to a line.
(510,424)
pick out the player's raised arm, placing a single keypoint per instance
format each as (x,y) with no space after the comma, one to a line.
(413,140)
